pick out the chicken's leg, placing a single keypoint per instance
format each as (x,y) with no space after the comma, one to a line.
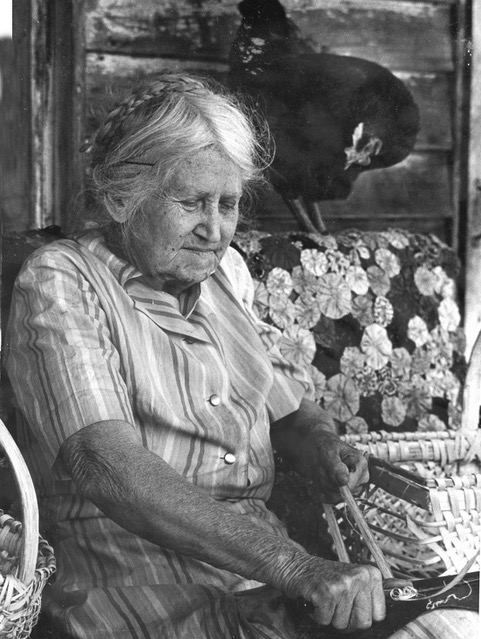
(297,207)
(315,207)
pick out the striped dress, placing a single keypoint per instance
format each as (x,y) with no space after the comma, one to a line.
(200,377)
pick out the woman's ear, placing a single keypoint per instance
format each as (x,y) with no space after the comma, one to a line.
(118,214)
(117,210)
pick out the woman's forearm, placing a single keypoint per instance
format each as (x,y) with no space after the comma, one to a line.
(143,494)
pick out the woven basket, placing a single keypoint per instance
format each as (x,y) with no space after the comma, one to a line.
(26,560)
(431,526)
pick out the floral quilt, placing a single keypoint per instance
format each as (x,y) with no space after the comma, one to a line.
(373,316)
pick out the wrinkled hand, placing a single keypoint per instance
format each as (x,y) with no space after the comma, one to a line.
(331,463)
(347,596)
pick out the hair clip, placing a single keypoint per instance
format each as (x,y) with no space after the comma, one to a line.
(86,147)
(138,162)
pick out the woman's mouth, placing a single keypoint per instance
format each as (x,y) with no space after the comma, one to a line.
(198,250)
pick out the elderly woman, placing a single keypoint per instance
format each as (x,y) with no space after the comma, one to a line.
(151,396)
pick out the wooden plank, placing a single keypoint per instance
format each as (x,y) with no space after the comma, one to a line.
(473,239)
(21,205)
(434,95)
(371,4)
(109,77)
(461,15)
(417,188)
(400,35)
(418,185)
(51,110)
(14,171)
(105,65)
(41,119)
(181,28)
(66,47)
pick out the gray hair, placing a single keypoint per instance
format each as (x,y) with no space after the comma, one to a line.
(143,140)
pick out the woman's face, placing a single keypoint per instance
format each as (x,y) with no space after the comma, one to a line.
(185,234)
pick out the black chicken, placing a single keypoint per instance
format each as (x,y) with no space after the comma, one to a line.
(331,116)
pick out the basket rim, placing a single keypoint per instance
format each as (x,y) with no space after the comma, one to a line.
(46,562)
(28,500)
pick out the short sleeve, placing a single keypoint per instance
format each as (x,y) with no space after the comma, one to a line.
(62,364)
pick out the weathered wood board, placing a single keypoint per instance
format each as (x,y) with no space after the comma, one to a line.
(405,34)
(433,93)
(110,76)
(473,240)
(162,28)
(398,35)
(413,194)
(14,171)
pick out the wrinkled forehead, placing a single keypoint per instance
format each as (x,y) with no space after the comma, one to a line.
(209,171)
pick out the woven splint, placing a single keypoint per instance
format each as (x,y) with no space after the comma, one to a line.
(423,504)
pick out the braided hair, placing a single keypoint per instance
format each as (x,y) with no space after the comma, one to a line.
(145,137)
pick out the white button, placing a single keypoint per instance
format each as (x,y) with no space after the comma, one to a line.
(229,458)
(214,400)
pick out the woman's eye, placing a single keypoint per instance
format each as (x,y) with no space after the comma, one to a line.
(189,205)
(229,205)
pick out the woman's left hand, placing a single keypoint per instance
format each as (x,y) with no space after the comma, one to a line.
(331,463)
(306,439)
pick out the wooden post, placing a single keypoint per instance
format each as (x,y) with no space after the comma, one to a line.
(48,40)
(473,241)
(460,118)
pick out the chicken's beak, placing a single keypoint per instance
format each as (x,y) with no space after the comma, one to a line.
(364,155)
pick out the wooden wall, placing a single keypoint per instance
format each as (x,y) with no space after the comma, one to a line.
(417,40)
(83,54)
(73,57)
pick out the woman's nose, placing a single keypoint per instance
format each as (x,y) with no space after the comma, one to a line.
(210,226)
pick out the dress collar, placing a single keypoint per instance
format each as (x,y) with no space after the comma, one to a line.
(131,279)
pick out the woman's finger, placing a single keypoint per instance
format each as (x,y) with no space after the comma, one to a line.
(324,612)
(378,600)
(353,612)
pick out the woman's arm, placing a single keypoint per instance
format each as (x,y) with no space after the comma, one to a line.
(140,492)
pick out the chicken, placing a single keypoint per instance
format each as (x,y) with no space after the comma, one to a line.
(331,117)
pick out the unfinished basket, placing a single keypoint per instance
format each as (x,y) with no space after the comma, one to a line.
(425,528)
(26,560)
(425,511)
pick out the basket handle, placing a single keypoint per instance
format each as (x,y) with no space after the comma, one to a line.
(28,500)
(366,533)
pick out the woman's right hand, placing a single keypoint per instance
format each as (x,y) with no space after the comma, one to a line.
(347,596)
